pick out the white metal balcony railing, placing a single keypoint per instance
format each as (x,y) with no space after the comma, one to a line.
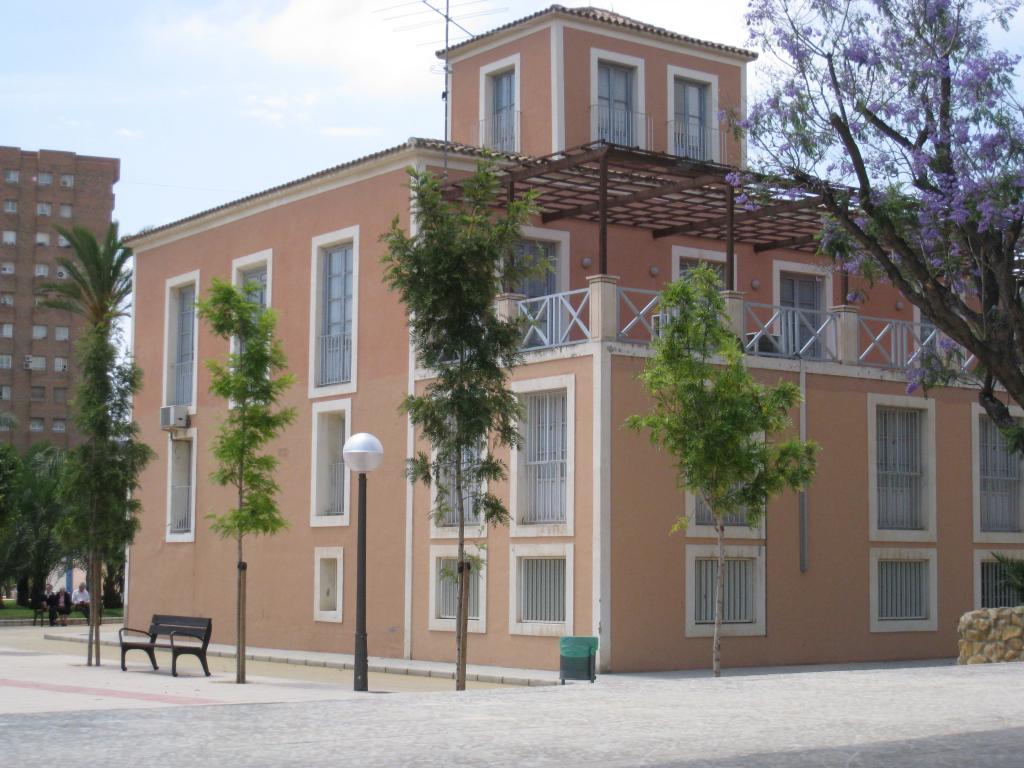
(335,360)
(556,320)
(499,132)
(181,509)
(887,343)
(774,331)
(694,141)
(620,126)
(638,314)
(181,374)
(335,489)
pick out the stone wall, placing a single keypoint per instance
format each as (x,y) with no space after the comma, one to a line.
(991,634)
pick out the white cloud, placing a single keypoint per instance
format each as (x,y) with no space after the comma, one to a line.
(128,133)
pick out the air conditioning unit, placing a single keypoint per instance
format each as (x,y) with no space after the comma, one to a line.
(61,274)
(174,417)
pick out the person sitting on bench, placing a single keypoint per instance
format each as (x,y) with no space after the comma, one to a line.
(80,599)
(63,606)
(50,601)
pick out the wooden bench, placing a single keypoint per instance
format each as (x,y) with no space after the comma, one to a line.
(174,628)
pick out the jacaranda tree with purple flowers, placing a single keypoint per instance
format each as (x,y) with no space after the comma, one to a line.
(903,117)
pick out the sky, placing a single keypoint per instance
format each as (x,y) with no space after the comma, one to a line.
(205,102)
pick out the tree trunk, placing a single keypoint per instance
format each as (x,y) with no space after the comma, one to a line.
(716,648)
(240,618)
(461,619)
(95,603)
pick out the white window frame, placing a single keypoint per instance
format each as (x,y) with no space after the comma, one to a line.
(800,268)
(12,176)
(47,175)
(487,71)
(695,531)
(319,244)
(694,254)
(44,209)
(931,624)
(562,240)
(190,536)
(599,55)
(5,392)
(171,285)
(980,536)
(528,386)
(928,460)
(7,268)
(248,263)
(755,552)
(704,78)
(32,422)
(6,358)
(62,366)
(540,629)
(67,208)
(320,409)
(67,180)
(986,556)
(43,239)
(6,330)
(63,425)
(329,553)
(58,336)
(10,206)
(41,270)
(9,237)
(439,552)
(452,531)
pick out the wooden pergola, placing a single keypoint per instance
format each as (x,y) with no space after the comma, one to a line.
(666,195)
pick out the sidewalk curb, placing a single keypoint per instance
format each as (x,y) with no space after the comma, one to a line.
(389,666)
(71,622)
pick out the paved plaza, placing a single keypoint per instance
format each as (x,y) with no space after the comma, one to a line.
(927,715)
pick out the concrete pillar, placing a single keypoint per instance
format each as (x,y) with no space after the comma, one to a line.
(847,334)
(734,311)
(508,305)
(604,307)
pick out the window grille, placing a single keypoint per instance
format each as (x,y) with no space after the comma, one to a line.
(544,463)
(185,349)
(999,472)
(995,592)
(449,516)
(336,317)
(902,589)
(447,586)
(900,473)
(542,589)
(737,591)
(181,486)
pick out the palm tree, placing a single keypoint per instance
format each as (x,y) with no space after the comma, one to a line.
(102,471)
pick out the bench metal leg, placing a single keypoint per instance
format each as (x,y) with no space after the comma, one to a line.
(206,667)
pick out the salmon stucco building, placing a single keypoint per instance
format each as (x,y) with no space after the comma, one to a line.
(614,124)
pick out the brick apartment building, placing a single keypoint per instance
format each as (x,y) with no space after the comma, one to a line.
(41,190)
(613,123)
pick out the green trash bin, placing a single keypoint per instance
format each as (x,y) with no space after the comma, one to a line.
(578,659)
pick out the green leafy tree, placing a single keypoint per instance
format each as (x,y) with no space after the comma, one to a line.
(715,420)
(448,274)
(102,472)
(250,384)
(1013,573)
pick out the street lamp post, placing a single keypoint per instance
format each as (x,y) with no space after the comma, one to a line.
(363,453)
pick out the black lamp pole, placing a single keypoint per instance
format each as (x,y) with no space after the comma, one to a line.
(359,682)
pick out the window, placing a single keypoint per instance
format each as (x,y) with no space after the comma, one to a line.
(335,324)
(543,458)
(995,591)
(800,297)
(903,590)
(330,490)
(10,237)
(59,425)
(738,590)
(445,589)
(7,299)
(180,491)
(690,127)
(10,206)
(743,590)
(60,394)
(541,591)
(38,394)
(44,209)
(7,330)
(60,364)
(36,425)
(702,515)
(446,514)
(11,176)
(44,179)
(899,467)
(502,127)
(42,270)
(61,332)
(67,180)
(35,362)
(327,587)
(5,392)
(999,473)
(255,281)
(616,115)
(182,331)
(63,242)
(39,331)
(42,238)
(5,361)
(66,211)
(7,268)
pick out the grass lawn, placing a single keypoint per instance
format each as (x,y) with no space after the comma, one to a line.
(12,610)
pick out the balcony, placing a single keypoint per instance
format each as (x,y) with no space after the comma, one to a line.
(335,359)
(181,509)
(694,141)
(624,127)
(606,311)
(499,132)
